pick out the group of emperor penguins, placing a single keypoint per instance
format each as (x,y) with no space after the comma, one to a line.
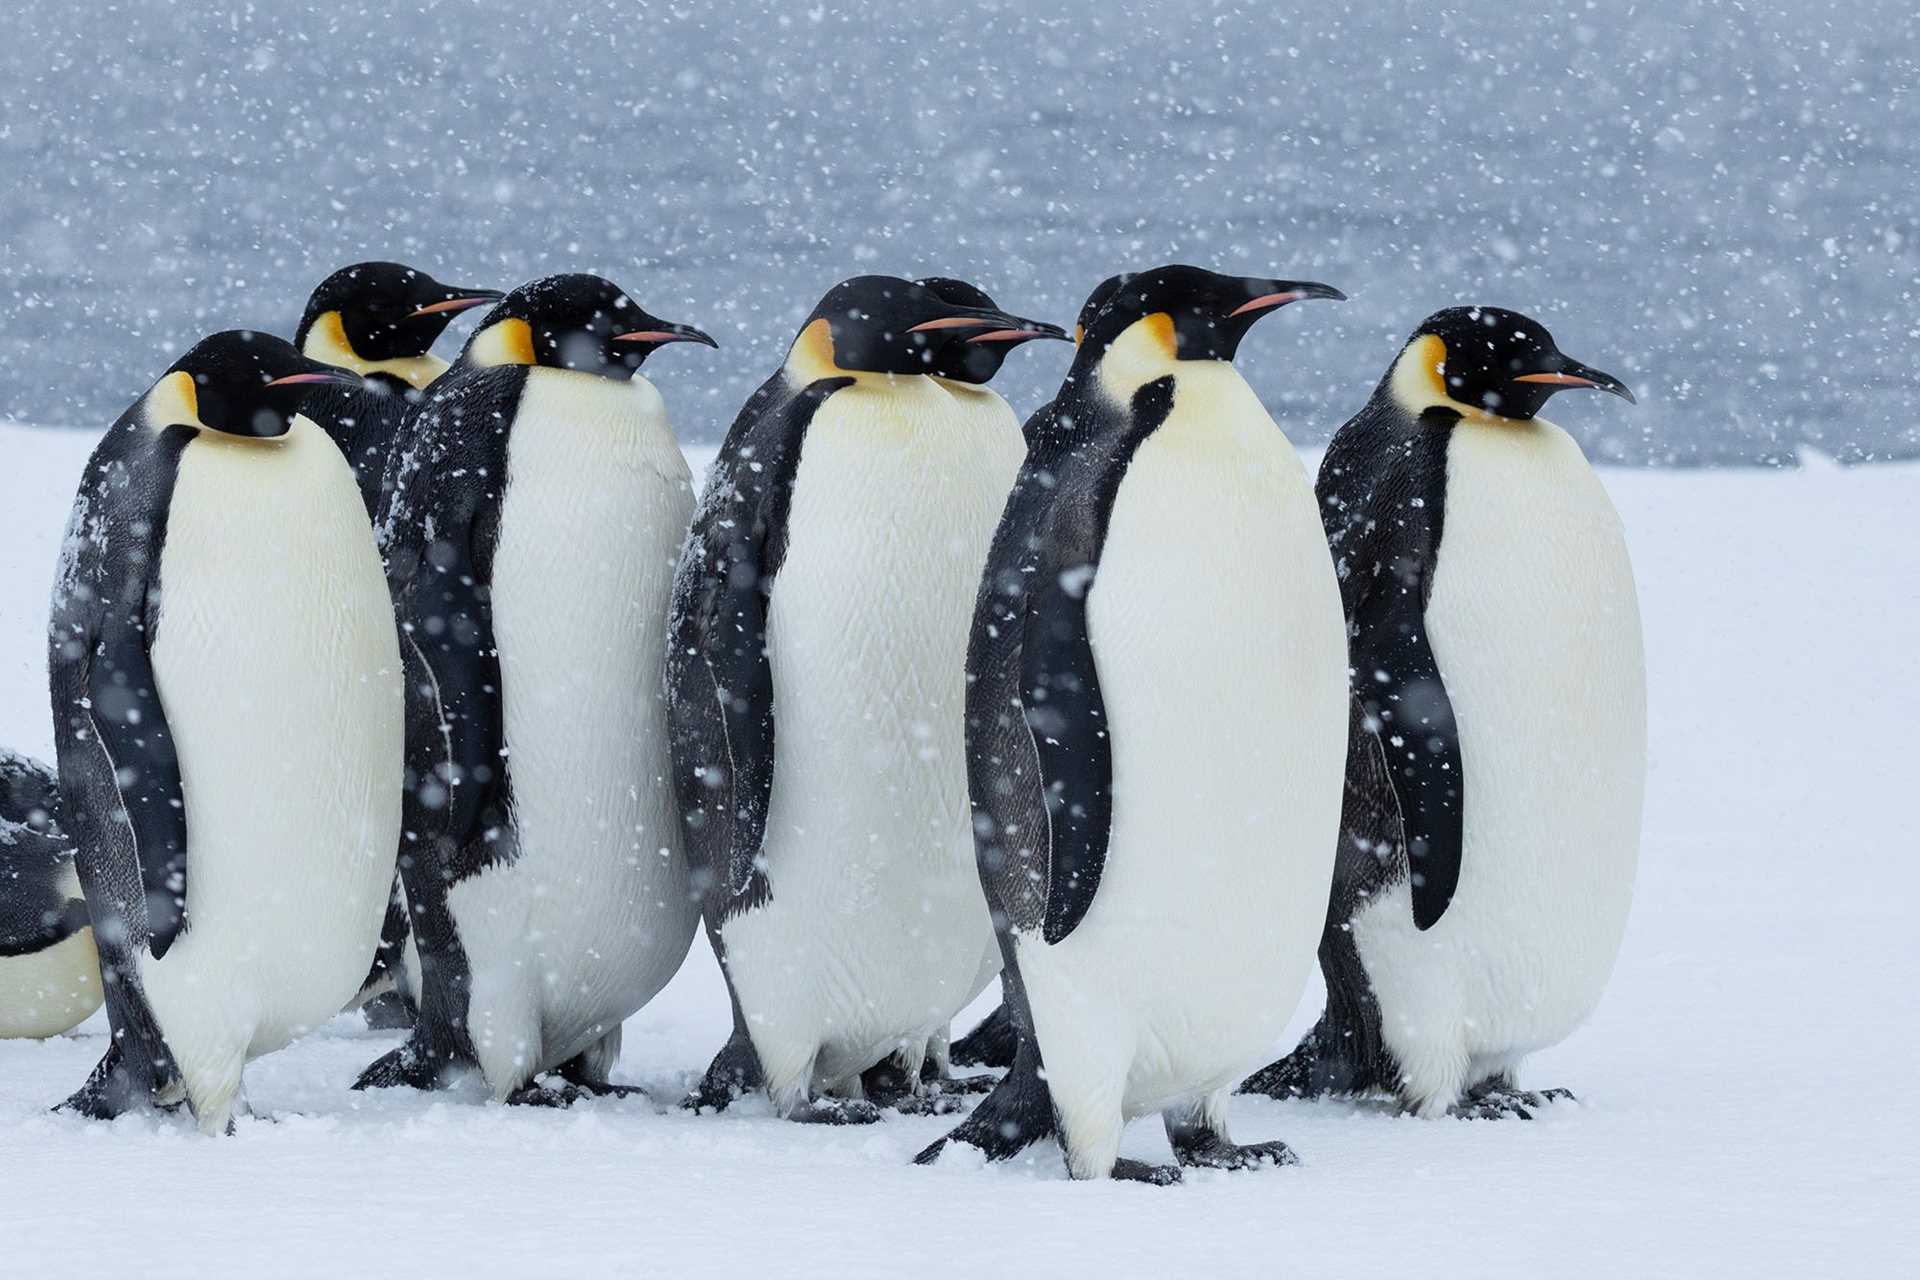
(1116,706)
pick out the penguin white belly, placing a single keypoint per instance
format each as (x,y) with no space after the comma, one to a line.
(278,668)
(595,914)
(54,989)
(876,929)
(1216,631)
(1535,628)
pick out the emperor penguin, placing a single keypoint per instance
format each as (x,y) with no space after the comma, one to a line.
(538,505)
(1156,711)
(49,972)
(380,320)
(1494,788)
(824,590)
(225,681)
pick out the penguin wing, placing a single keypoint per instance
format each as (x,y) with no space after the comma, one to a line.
(719,678)
(441,521)
(1383,500)
(1057,558)
(119,772)
(1373,849)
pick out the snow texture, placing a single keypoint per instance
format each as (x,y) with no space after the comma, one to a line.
(1743,1101)
(1715,201)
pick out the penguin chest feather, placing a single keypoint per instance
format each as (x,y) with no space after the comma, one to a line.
(876,930)
(1536,631)
(1214,622)
(278,669)
(594,915)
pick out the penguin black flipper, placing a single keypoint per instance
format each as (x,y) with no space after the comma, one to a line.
(1055,767)
(1383,501)
(438,527)
(120,791)
(117,757)
(718,673)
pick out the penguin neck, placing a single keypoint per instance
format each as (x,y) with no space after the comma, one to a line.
(1418,382)
(327,342)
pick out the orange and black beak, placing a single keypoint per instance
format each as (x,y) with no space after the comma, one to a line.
(659,333)
(337,377)
(1269,294)
(461,300)
(1014,330)
(1565,373)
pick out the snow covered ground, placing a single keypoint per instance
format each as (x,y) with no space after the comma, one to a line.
(1746,1107)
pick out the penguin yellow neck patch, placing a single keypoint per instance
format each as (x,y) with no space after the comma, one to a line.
(172,401)
(811,356)
(1419,382)
(327,342)
(1145,350)
(508,342)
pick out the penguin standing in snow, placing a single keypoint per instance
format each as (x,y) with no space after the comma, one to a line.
(1493,807)
(538,505)
(380,320)
(225,682)
(1155,720)
(816,665)
(49,973)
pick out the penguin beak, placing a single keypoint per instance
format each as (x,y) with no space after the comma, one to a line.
(974,320)
(1017,329)
(664,333)
(1571,373)
(462,301)
(1269,294)
(340,377)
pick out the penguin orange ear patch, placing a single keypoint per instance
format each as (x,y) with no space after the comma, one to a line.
(172,401)
(508,342)
(1159,326)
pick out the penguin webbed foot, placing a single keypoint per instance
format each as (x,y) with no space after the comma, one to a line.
(577,1074)
(1499,1099)
(834,1111)
(535,1094)
(1154,1175)
(886,1084)
(1212,1151)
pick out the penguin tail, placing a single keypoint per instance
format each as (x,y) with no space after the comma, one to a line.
(111,1090)
(1017,1114)
(735,1072)
(993,1043)
(407,1067)
(1314,1069)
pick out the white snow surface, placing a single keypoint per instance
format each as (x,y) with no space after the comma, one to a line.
(1745,1103)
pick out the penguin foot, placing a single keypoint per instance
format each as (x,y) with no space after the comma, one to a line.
(401,1068)
(535,1094)
(835,1111)
(990,1044)
(390,1011)
(1497,1099)
(1214,1152)
(1155,1175)
(608,1089)
(982,1083)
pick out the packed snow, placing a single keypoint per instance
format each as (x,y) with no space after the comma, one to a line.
(1742,1101)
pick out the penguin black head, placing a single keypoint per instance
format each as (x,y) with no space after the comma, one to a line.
(239,383)
(377,311)
(1091,307)
(883,324)
(578,322)
(1485,362)
(975,355)
(1187,313)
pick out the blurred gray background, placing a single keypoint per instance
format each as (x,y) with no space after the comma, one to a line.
(1716,202)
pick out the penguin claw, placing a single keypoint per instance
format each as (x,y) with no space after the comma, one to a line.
(934,1102)
(1495,1101)
(543,1095)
